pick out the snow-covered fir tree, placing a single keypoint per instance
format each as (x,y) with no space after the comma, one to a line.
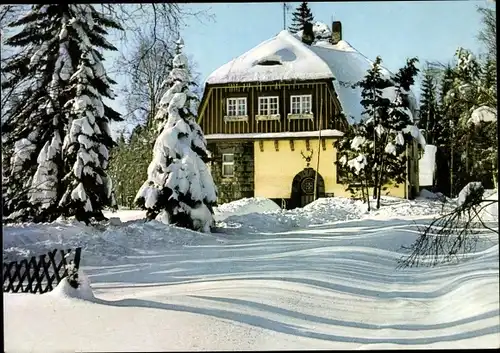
(301,16)
(34,130)
(482,126)
(373,151)
(468,94)
(428,106)
(88,188)
(179,187)
(360,149)
(129,163)
(461,101)
(399,130)
(355,161)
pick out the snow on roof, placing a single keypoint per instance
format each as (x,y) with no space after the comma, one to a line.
(299,61)
(275,135)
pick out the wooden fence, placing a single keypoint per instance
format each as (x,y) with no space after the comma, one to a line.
(40,274)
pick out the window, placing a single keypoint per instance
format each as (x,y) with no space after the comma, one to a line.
(236,106)
(227,165)
(301,104)
(268,105)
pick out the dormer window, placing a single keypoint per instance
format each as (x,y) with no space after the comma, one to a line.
(270,60)
(270,63)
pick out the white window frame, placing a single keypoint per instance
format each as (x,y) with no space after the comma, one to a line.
(302,99)
(224,163)
(267,100)
(236,102)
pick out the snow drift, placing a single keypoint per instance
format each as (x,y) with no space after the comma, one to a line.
(328,286)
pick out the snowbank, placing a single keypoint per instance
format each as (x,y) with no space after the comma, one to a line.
(126,215)
(102,244)
(467,190)
(117,242)
(490,212)
(245,206)
(259,215)
(64,289)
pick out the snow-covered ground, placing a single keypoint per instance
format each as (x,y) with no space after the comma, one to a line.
(321,277)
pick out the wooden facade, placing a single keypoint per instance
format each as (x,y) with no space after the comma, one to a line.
(213,107)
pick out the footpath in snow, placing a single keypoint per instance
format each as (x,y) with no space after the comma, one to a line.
(321,277)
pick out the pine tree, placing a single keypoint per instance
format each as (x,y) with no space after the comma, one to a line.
(179,185)
(462,99)
(117,170)
(301,15)
(34,132)
(129,163)
(457,140)
(376,112)
(360,150)
(374,150)
(428,107)
(88,188)
(36,126)
(482,126)
(398,130)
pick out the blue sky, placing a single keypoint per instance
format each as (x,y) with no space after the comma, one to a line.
(395,30)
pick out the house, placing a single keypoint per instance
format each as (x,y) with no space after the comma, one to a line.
(272,115)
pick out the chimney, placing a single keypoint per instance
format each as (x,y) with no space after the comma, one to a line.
(336,32)
(308,33)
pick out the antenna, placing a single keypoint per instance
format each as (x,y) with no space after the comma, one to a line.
(285,8)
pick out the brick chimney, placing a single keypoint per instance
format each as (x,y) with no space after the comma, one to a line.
(336,32)
(308,33)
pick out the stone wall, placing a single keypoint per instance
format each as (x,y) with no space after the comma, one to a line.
(241,185)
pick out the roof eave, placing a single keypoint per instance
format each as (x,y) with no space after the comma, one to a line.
(269,82)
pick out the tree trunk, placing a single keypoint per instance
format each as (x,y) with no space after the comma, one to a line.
(367,190)
(451,171)
(467,157)
(379,191)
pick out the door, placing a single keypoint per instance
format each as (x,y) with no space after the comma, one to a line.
(303,188)
(306,191)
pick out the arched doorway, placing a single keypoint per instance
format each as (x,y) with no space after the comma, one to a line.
(303,188)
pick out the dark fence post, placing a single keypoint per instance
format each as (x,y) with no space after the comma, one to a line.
(78,252)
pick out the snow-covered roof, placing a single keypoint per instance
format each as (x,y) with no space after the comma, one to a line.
(299,61)
(276,135)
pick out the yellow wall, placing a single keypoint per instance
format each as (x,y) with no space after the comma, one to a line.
(275,170)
